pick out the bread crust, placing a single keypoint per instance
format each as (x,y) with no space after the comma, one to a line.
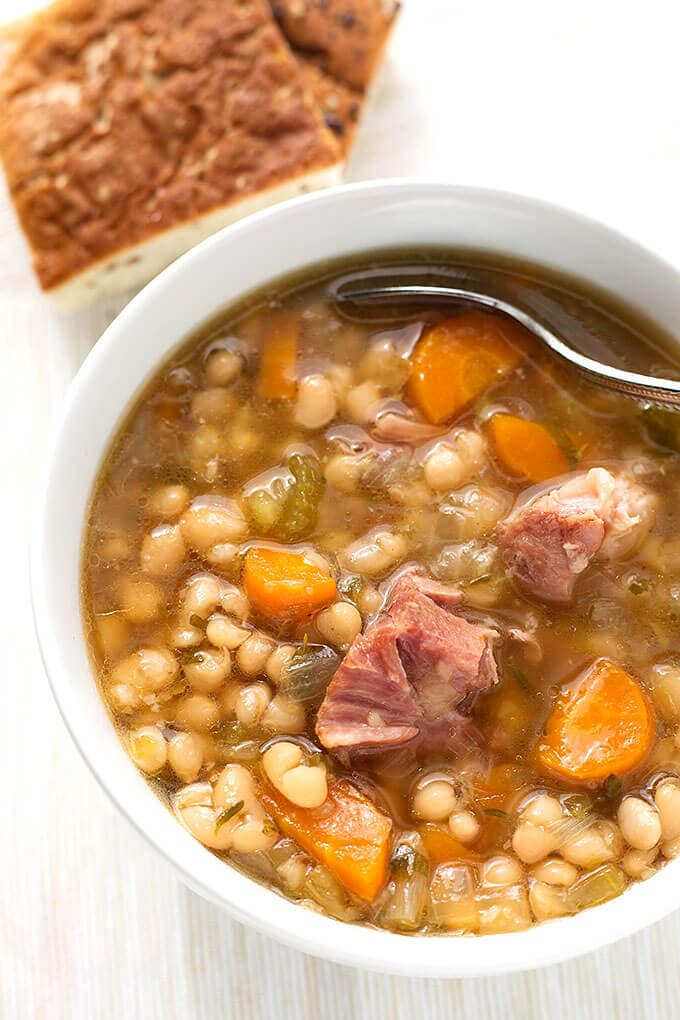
(344,38)
(123,120)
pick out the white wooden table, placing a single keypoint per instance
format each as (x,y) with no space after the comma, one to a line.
(576,103)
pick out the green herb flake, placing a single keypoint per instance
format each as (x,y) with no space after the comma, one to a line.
(227,814)
(613,787)
(408,861)
(198,622)
(523,680)
(191,657)
(494,812)
(577,805)
(565,442)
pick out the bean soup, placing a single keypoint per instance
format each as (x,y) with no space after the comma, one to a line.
(385,602)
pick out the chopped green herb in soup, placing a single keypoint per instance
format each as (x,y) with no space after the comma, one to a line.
(386,603)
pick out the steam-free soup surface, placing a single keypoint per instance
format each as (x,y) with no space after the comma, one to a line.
(385,603)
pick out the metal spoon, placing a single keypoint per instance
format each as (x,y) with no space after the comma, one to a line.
(644,387)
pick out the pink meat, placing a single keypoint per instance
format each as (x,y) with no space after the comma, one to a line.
(392,427)
(549,541)
(411,676)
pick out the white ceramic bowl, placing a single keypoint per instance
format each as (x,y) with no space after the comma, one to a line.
(300,233)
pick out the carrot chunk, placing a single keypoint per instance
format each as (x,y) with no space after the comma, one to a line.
(458,359)
(526,448)
(284,585)
(276,379)
(347,833)
(442,848)
(601,725)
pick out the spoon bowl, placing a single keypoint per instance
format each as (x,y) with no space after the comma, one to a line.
(653,389)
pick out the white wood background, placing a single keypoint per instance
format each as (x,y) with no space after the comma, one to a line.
(577,103)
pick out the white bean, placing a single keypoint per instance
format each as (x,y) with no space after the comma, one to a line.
(667,800)
(304,785)
(169,501)
(444,468)
(376,553)
(278,662)
(252,655)
(339,624)
(435,800)
(212,521)
(284,715)
(501,870)
(543,810)
(361,401)
(600,843)
(185,756)
(163,550)
(547,901)
(214,405)
(148,749)
(251,702)
(234,602)
(200,596)
(316,404)
(665,679)
(198,712)
(455,460)
(208,669)
(141,601)
(224,633)
(554,871)
(223,367)
(639,864)
(464,827)
(147,670)
(639,822)
(532,843)
(343,472)
(196,810)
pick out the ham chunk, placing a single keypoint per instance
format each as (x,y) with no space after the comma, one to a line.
(549,541)
(411,676)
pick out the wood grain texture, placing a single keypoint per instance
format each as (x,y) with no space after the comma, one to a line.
(92,926)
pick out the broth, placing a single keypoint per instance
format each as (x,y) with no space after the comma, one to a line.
(299,473)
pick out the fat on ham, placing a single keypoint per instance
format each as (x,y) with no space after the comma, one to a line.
(548,542)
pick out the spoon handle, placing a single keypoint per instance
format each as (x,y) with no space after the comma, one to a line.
(644,387)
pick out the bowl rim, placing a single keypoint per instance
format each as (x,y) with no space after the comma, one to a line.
(286,921)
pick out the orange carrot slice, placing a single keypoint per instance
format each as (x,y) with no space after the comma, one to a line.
(276,379)
(347,833)
(458,359)
(526,448)
(284,585)
(442,848)
(601,725)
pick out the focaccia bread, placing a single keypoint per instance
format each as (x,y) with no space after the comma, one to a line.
(340,44)
(131,129)
(346,38)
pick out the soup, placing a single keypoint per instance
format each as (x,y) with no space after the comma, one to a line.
(384,602)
